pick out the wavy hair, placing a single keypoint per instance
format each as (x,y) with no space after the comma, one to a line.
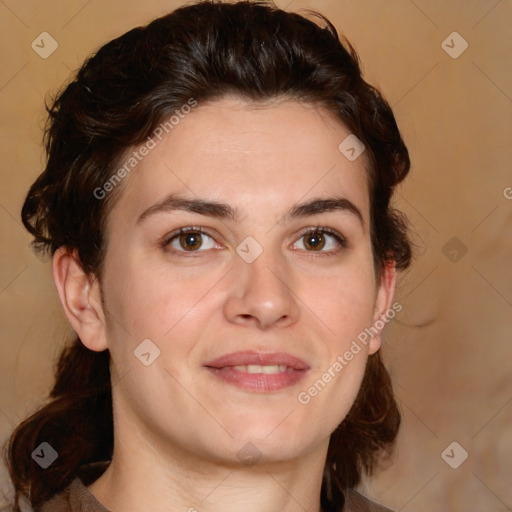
(205,50)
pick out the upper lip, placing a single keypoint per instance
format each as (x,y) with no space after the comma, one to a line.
(257,358)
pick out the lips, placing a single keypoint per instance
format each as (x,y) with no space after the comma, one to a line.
(258,359)
(257,371)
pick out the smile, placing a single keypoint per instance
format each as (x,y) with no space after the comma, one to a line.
(258,372)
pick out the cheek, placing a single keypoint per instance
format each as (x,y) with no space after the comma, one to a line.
(345,304)
(343,301)
(156,302)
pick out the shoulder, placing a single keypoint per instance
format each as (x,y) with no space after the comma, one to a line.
(58,503)
(76,497)
(356,502)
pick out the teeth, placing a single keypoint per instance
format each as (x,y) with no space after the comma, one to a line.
(255,368)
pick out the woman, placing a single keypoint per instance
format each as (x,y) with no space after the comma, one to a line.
(216,201)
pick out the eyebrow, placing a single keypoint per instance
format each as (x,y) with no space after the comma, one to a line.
(174,202)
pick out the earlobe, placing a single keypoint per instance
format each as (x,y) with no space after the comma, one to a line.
(79,294)
(383,302)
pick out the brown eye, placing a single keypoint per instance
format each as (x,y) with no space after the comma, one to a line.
(314,241)
(190,241)
(321,240)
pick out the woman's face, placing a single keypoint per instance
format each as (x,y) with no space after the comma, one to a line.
(248,310)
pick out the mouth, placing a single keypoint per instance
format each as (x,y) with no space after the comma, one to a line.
(257,371)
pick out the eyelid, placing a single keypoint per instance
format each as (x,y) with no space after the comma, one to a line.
(166,240)
(169,237)
(342,241)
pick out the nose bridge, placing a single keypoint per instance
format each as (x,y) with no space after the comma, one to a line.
(262,291)
(267,277)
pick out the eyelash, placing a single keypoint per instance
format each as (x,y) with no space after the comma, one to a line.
(168,239)
(325,231)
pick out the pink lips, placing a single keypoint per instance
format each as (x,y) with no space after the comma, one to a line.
(290,370)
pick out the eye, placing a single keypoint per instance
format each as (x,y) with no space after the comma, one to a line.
(190,240)
(320,240)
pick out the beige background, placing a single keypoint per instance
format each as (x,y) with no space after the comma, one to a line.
(449,350)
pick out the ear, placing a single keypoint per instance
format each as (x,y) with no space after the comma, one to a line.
(383,301)
(80,297)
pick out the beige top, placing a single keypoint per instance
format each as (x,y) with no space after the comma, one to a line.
(77,498)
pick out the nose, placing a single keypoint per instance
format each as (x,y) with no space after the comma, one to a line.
(261,295)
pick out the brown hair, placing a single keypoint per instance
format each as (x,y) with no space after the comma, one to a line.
(119,96)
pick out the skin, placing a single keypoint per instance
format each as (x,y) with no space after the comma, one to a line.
(178,428)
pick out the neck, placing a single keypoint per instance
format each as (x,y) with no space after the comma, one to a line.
(138,479)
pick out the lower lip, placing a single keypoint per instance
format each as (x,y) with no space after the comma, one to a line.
(259,382)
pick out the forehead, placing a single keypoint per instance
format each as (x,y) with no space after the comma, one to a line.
(249,155)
